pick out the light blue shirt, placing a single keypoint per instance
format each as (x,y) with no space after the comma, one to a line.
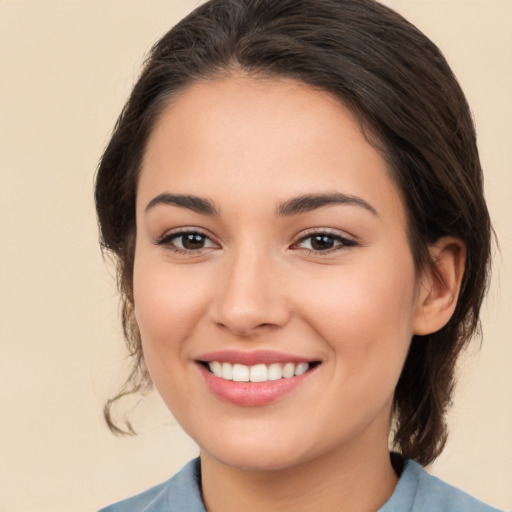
(417,491)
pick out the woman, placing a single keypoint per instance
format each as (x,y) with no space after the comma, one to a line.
(294,198)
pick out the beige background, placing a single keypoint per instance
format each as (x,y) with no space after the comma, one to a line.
(66,68)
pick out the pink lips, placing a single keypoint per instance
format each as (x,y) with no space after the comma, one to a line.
(251,358)
(248,393)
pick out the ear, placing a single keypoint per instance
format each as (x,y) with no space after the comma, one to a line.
(439,286)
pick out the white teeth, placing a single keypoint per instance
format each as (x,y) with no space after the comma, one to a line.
(258,372)
(275,372)
(227,371)
(240,373)
(301,368)
(216,368)
(288,370)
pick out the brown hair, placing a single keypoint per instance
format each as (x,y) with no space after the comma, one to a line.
(397,82)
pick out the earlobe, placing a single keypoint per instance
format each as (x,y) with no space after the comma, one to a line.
(440,286)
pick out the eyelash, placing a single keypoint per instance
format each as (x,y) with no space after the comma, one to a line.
(342,242)
(167,241)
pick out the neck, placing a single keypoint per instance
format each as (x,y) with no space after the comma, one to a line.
(354,480)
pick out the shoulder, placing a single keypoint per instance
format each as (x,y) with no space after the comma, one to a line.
(137,503)
(418,491)
(181,492)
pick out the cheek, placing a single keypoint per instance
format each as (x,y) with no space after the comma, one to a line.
(366,315)
(167,305)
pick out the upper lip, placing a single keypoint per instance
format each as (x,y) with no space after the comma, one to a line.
(252,358)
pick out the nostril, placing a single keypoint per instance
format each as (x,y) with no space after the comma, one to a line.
(245,329)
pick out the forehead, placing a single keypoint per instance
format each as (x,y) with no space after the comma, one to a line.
(267,138)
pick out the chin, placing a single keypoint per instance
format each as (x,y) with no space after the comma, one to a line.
(259,460)
(264,451)
(254,449)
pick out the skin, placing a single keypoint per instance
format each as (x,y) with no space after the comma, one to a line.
(249,146)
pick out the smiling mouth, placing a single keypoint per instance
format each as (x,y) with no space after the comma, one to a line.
(258,372)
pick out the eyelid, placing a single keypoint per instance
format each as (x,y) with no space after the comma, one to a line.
(168,236)
(346,241)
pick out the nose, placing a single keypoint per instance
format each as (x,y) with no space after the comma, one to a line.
(250,298)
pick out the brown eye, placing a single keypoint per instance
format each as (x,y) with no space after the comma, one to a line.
(192,241)
(324,242)
(186,241)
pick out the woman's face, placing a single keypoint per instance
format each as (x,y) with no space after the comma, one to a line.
(271,242)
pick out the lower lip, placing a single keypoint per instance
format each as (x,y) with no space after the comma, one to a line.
(251,394)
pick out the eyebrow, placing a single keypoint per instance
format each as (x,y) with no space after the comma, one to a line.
(294,206)
(310,202)
(194,203)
